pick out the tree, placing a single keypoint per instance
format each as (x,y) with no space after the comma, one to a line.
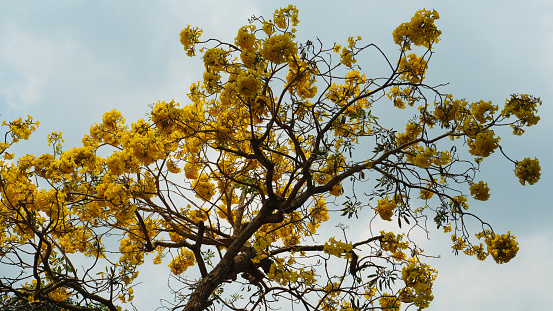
(233,189)
(14,303)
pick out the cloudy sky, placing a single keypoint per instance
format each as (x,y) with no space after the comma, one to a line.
(67,62)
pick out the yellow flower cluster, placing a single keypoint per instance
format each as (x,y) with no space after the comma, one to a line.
(385,208)
(145,144)
(204,187)
(318,214)
(108,132)
(477,250)
(130,254)
(480,191)
(393,243)
(347,55)
(246,37)
(412,131)
(113,192)
(172,166)
(412,68)
(20,129)
(302,77)
(278,48)
(483,111)
(424,157)
(268,27)
(502,247)
(246,40)
(338,248)
(524,107)
(60,294)
(189,37)
(247,84)
(402,96)
(284,16)
(211,82)
(458,243)
(215,59)
(421,30)
(197,215)
(483,144)
(182,261)
(340,94)
(448,110)
(249,58)
(261,244)
(528,171)
(282,273)
(126,297)
(79,240)
(426,194)
(337,190)
(370,292)
(333,289)
(47,201)
(55,139)
(459,201)
(346,306)
(123,162)
(389,302)
(418,278)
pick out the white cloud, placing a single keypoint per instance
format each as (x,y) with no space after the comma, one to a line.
(41,64)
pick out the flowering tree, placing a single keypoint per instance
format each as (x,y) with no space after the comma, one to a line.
(232,190)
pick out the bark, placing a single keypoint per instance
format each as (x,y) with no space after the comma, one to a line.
(233,262)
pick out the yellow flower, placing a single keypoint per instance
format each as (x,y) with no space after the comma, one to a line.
(385,208)
(189,37)
(412,131)
(283,16)
(448,110)
(203,187)
(337,190)
(480,191)
(502,247)
(419,278)
(483,111)
(458,243)
(420,31)
(389,303)
(426,194)
(59,294)
(338,248)
(248,58)
(172,167)
(182,261)
(215,60)
(278,48)
(247,85)
(21,129)
(347,58)
(246,37)
(412,68)
(528,170)
(524,107)
(484,144)
(425,157)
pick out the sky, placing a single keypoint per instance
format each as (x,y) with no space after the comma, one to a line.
(67,62)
